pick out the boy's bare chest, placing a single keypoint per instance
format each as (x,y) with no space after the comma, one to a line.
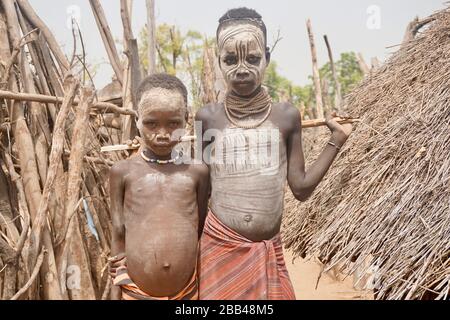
(150,183)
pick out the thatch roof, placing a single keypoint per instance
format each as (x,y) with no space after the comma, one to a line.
(387,196)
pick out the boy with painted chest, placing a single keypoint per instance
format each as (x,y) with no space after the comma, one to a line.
(256,150)
(158,204)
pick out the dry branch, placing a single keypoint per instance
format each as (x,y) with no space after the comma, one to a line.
(151,31)
(34,274)
(38,23)
(125,6)
(73,252)
(337,84)
(55,157)
(316,75)
(414,27)
(104,107)
(208,76)
(107,38)
(5,78)
(22,207)
(362,64)
(322,122)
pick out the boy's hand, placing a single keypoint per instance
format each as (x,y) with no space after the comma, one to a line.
(136,144)
(340,132)
(116,262)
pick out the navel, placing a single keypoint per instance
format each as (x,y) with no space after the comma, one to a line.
(248,218)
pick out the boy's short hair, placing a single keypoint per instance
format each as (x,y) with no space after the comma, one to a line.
(163,81)
(240,15)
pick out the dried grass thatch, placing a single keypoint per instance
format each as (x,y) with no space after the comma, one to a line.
(387,196)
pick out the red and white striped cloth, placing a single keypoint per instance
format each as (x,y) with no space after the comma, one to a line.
(235,268)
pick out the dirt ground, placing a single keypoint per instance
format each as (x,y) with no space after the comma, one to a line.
(304,275)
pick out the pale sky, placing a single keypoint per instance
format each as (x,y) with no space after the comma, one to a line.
(366,26)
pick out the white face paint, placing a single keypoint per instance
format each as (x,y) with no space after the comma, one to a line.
(161,113)
(160,99)
(242,57)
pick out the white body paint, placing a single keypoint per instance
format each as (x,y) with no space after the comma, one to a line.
(248,173)
(155,178)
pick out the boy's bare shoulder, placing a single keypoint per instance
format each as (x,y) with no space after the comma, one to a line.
(287,108)
(288,114)
(208,111)
(200,170)
(123,167)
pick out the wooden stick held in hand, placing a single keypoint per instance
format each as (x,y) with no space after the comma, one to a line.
(305,124)
(322,122)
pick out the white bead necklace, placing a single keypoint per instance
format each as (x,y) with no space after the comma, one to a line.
(162,162)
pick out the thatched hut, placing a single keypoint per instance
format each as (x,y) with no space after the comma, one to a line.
(387,197)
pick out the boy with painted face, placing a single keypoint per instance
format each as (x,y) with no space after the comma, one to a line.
(158,204)
(258,148)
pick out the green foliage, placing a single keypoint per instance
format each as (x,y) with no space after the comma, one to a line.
(280,88)
(179,54)
(348,73)
(275,82)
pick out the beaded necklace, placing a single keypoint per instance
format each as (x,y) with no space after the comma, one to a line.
(162,162)
(238,108)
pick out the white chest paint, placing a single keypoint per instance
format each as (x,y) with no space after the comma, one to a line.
(248,171)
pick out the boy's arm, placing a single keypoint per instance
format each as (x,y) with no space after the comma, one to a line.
(117,189)
(202,197)
(303,183)
(201,119)
(202,116)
